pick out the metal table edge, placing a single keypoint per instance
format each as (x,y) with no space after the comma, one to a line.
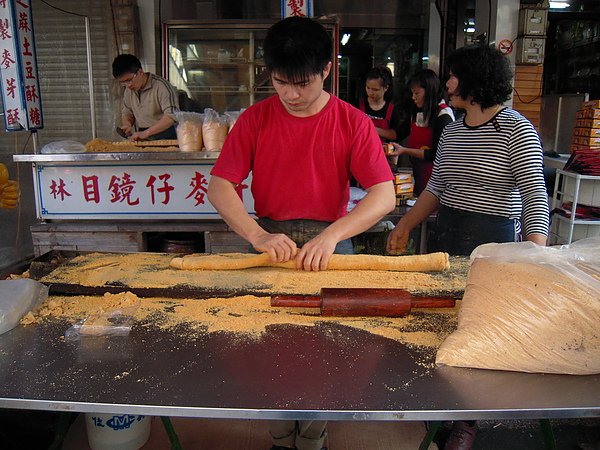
(293,414)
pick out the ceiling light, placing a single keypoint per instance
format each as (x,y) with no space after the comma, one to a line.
(559,5)
(345,38)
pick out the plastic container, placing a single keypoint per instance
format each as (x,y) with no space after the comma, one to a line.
(117,432)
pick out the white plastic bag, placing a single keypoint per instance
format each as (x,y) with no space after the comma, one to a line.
(63,147)
(531,309)
(232,117)
(17,297)
(115,322)
(356,195)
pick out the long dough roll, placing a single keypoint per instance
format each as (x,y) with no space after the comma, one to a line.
(432,262)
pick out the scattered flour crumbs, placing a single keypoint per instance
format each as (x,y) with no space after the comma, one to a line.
(246,315)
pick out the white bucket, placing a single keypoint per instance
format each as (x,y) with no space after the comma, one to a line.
(117,432)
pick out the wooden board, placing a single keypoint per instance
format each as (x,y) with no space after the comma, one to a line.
(149,275)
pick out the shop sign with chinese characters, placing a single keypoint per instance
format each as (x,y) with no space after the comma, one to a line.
(128,191)
(302,8)
(18,67)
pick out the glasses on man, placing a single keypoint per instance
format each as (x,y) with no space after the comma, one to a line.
(129,80)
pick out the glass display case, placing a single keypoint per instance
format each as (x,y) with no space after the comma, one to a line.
(572,62)
(221,65)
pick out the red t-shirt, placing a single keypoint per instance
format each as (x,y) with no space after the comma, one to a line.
(301,166)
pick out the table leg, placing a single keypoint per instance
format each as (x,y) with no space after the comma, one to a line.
(64,422)
(433,428)
(175,445)
(548,434)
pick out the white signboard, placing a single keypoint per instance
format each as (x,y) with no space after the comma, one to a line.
(302,8)
(18,67)
(28,65)
(12,97)
(128,191)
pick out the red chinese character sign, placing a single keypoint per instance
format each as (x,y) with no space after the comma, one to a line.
(144,191)
(302,8)
(18,67)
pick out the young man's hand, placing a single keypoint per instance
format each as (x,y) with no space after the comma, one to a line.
(279,247)
(315,254)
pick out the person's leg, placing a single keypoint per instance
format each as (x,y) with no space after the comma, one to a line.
(283,432)
(462,435)
(311,434)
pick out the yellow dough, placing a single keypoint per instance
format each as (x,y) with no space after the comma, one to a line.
(433,262)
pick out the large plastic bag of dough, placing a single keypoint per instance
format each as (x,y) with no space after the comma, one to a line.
(17,297)
(189,131)
(530,308)
(214,130)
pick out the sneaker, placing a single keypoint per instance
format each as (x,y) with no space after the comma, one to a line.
(462,436)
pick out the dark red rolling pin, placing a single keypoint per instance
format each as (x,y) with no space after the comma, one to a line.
(362,302)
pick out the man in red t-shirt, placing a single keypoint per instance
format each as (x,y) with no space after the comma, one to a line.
(302,146)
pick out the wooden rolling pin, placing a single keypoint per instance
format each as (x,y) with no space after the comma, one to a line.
(432,262)
(362,302)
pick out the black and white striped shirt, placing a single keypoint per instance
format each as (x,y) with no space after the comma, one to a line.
(495,168)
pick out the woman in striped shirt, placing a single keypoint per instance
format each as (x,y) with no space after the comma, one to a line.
(487,174)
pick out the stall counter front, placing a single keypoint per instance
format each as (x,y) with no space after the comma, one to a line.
(95,201)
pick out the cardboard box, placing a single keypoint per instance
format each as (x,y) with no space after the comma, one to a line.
(405,188)
(591,104)
(403,177)
(591,123)
(587,141)
(591,113)
(588,132)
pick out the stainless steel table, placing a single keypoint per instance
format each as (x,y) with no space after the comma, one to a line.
(327,372)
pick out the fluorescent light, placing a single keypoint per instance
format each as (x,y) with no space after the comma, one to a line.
(559,5)
(345,38)
(469,30)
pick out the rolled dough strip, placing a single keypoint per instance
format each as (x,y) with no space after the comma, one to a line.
(433,262)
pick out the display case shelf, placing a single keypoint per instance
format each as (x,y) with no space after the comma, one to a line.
(220,65)
(573,189)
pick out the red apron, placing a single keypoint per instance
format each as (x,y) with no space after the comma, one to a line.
(384,123)
(421,137)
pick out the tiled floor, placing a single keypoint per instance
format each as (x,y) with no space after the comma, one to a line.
(24,430)
(219,434)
